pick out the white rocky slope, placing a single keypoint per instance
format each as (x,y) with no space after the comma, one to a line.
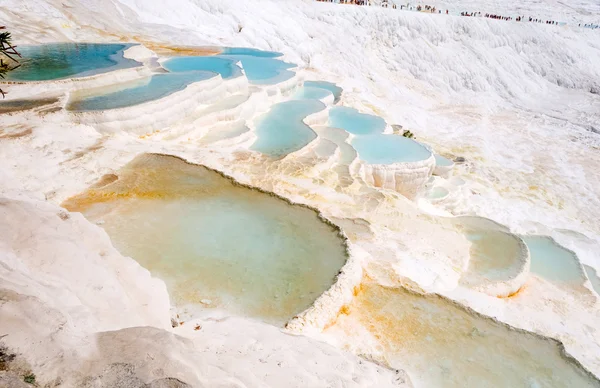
(514,99)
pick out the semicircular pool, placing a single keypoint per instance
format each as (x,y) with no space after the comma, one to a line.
(443,162)
(215,242)
(333,88)
(389,149)
(65,60)
(250,52)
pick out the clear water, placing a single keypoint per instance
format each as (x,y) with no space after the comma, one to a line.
(209,239)
(440,344)
(553,262)
(250,52)
(594,278)
(354,122)
(64,60)
(223,66)
(263,70)
(438,193)
(310,93)
(441,161)
(282,131)
(138,92)
(388,149)
(333,88)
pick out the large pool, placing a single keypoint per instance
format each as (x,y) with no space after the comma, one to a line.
(136,92)
(282,131)
(250,52)
(440,344)
(216,243)
(389,149)
(65,60)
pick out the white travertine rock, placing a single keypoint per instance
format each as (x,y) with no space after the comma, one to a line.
(405,178)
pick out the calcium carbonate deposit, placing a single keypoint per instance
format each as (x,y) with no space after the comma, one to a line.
(298,193)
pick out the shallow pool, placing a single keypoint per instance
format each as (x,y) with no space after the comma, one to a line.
(440,344)
(438,193)
(210,239)
(64,60)
(389,149)
(441,161)
(333,88)
(223,66)
(282,131)
(311,93)
(263,70)
(553,262)
(136,92)
(355,122)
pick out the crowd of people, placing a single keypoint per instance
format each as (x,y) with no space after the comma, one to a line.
(433,9)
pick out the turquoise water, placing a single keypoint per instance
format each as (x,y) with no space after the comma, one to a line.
(149,89)
(388,149)
(354,122)
(250,52)
(441,161)
(594,278)
(333,88)
(263,71)
(245,251)
(553,262)
(63,60)
(310,93)
(226,67)
(282,131)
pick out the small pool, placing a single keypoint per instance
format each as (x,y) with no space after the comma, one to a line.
(65,60)
(210,239)
(310,93)
(443,162)
(282,131)
(250,52)
(137,92)
(333,88)
(438,193)
(553,262)
(594,278)
(355,122)
(223,66)
(389,149)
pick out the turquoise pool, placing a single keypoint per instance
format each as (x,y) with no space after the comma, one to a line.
(250,52)
(263,70)
(310,93)
(389,149)
(138,92)
(553,262)
(333,88)
(223,66)
(65,60)
(355,122)
(282,131)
